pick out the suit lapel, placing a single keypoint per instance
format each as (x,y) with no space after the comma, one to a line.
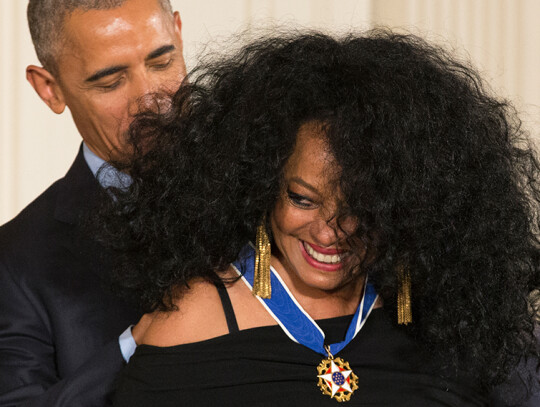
(78,194)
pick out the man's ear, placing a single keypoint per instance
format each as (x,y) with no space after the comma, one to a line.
(46,87)
(178,25)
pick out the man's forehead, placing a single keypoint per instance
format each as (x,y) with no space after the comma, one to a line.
(102,37)
(131,16)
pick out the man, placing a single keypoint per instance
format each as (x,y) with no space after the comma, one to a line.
(61,340)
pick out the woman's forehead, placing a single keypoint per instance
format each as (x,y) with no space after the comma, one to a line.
(312,159)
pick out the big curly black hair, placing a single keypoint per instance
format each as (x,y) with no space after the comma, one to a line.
(439,173)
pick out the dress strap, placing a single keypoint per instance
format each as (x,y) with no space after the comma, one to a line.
(227,307)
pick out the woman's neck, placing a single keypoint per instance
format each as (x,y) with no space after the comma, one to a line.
(322,304)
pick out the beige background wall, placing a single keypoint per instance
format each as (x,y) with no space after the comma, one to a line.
(500,36)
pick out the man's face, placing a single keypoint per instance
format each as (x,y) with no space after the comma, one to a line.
(111,58)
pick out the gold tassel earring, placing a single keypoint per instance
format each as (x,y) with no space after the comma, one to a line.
(404,296)
(261,283)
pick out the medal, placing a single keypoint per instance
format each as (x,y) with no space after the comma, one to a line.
(335,377)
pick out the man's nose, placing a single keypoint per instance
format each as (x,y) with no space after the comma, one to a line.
(144,95)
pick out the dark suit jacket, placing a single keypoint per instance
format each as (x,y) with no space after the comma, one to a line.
(59,324)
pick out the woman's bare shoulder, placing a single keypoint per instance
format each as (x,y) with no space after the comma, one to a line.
(199,317)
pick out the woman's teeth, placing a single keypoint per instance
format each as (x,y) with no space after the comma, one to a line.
(323,258)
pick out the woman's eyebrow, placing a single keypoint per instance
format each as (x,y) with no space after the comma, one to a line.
(305,184)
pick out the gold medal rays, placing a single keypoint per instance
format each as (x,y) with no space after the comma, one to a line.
(336,379)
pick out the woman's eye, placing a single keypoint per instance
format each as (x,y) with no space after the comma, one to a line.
(300,200)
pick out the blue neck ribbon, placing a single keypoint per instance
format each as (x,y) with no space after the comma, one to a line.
(290,315)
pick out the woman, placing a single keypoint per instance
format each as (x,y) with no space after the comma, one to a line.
(394,198)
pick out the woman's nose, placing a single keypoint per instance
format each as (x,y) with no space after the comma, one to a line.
(329,231)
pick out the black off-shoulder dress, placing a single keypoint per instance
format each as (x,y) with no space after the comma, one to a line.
(264,367)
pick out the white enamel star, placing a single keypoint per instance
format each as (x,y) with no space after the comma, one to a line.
(328,377)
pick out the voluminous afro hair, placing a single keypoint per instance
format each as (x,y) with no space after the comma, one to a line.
(439,174)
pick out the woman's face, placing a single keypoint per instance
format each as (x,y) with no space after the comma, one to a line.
(310,246)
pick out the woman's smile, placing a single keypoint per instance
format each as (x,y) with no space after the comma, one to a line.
(326,259)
